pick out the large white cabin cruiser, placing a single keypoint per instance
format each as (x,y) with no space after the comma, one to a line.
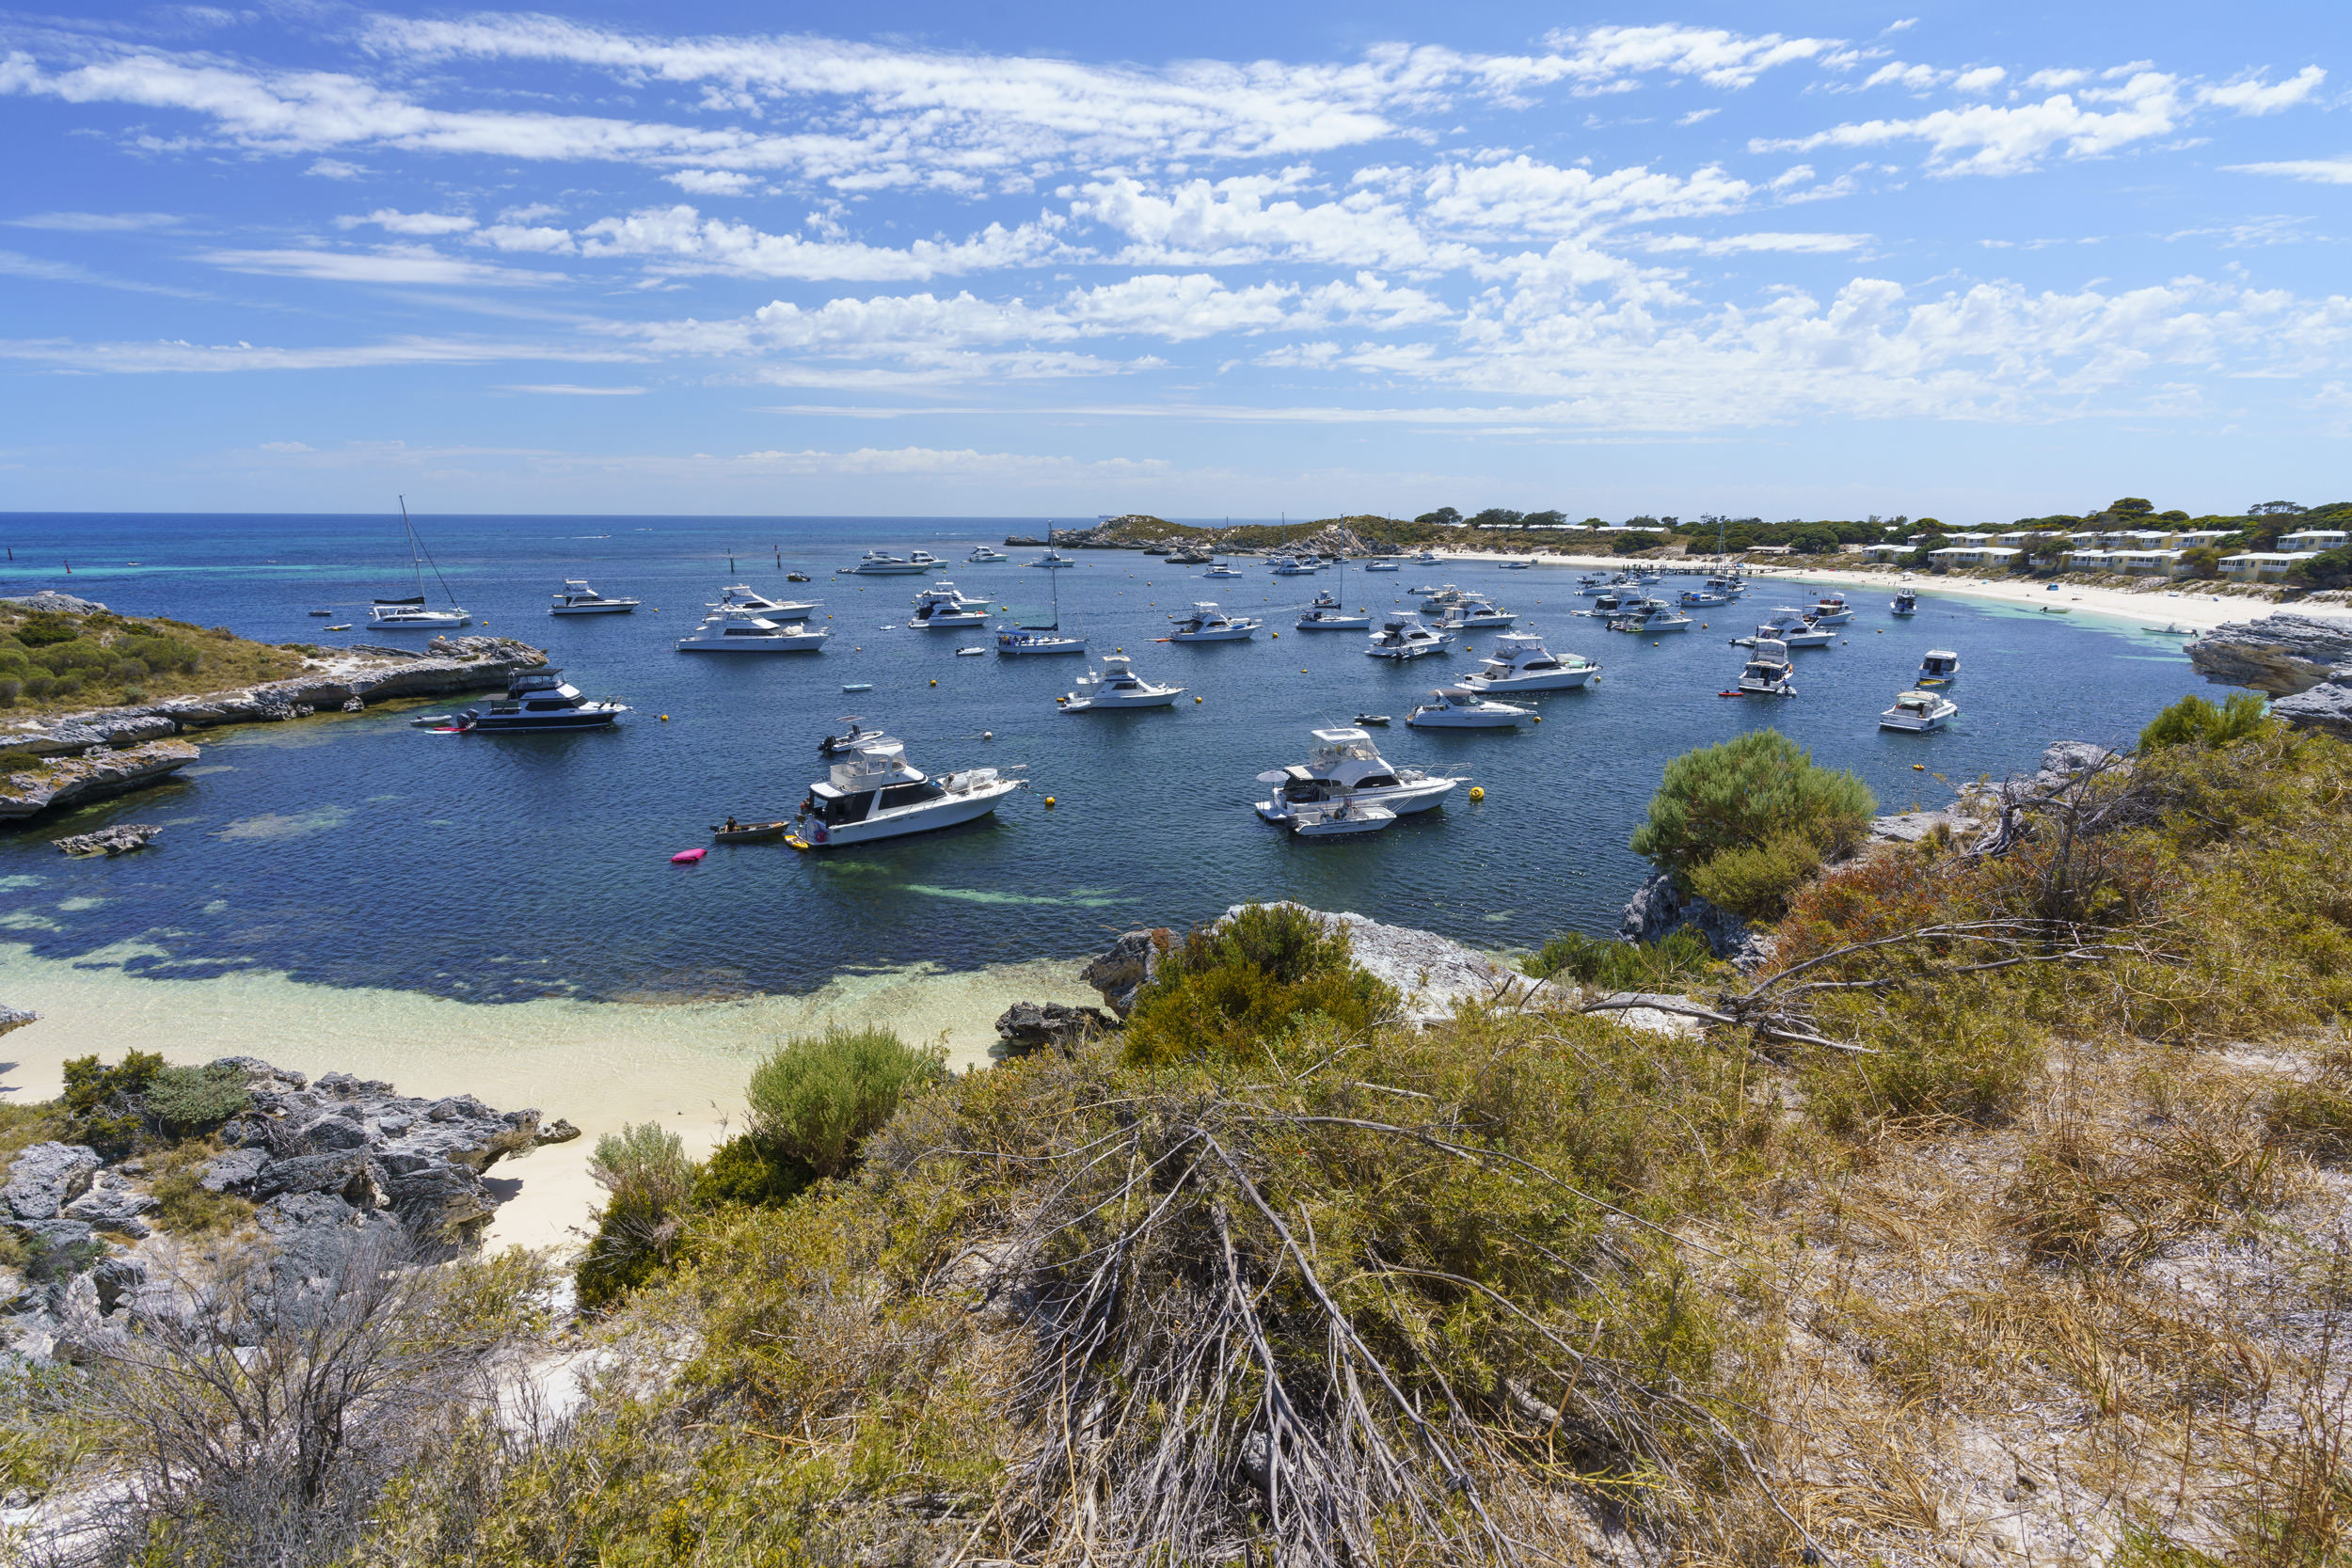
(1768,672)
(941,606)
(578,598)
(1832,611)
(1052,561)
(740,595)
(983,556)
(1940,668)
(1403,636)
(1458,707)
(1796,628)
(1520,662)
(1117,685)
(1346,765)
(1919,711)
(539,700)
(1651,619)
(1292,566)
(1208,624)
(1328,614)
(881,564)
(1380,566)
(875,792)
(740,631)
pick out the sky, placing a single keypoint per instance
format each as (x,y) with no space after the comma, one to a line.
(1980,261)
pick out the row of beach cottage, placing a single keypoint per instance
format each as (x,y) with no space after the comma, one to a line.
(2135,552)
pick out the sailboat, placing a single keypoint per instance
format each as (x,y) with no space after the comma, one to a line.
(1046,639)
(410,614)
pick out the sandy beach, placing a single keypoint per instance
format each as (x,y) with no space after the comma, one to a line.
(598,1065)
(2192,605)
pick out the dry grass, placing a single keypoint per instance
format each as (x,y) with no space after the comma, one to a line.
(223,661)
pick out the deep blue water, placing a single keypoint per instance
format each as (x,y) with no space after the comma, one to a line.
(360,851)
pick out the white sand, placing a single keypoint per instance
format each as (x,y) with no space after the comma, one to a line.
(2179,604)
(599,1065)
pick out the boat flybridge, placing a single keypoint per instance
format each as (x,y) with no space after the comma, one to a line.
(1458,707)
(875,792)
(410,614)
(743,631)
(1520,662)
(1919,712)
(539,699)
(983,556)
(1768,671)
(1117,685)
(1206,623)
(941,606)
(740,595)
(578,598)
(1346,765)
(1403,636)
(1940,668)
(881,564)
(1796,628)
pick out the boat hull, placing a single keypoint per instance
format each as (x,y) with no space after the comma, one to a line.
(1223,634)
(1098,705)
(592,609)
(930,816)
(761,645)
(1565,680)
(1399,799)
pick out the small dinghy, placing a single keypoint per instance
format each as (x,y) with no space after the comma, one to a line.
(796,577)
(971,653)
(433,722)
(324,614)
(859,685)
(1341,819)
(732,832)
(1380,719)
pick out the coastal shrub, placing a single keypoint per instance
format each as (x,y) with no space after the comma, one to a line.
(1745,792)
(1239,987)
(159,653)
(185,1100)
(2327,569)
(46,628)
(19,759)
(1682,956)
(816,1098)
(101,1104)
(1755,881)
(2195,721)
(644,1168)
(11,688)
(750,1171)
(38,686)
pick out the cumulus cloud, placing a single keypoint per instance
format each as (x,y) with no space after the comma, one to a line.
(680,238)
(2254,96)
(1999,139)
(394,221)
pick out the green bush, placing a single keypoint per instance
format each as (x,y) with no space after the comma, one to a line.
(816,1099)
(748,1171)
(46,628)
(1755,881)
(1682,956)
(1744,794)
(102,1104)
(189,1100)
(652,1182)
(2327,569)
(2195,721)
(1237,989)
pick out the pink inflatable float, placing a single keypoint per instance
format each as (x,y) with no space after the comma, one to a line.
(688,856)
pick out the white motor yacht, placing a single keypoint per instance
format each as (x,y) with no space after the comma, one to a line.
(1701,598)
(1458,707)
(1379,565)
(742,631)
(983,556)
(1208,624)
(1346,764)
(1520,662)
(1117,685)
(1291,566)
(1403,636)
(1919,711)
(1905,603)
(1940,668)
(1516,565)
(1651,619)
(1220,569)
(1435,599)
(1328,614)
(1831,610)
(1797,629)
(941,606)
(881,564)
(1471,613)
(876,793)
(539,699)
(1427,558)
(1767,673)
(578,598)
(740,596)
(1051,560)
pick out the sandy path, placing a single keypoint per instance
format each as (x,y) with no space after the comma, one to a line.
(598,1064)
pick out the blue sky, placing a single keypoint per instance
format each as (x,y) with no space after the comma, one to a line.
(1979,261)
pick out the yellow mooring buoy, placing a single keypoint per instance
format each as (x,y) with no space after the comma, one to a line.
(1477,793)
(1049,799)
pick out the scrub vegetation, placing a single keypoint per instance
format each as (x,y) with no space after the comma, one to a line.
(52,662)
(1998,1213)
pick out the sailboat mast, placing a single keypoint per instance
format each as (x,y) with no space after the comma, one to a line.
(415,563)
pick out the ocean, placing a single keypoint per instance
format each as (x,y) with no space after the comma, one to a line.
(356,851)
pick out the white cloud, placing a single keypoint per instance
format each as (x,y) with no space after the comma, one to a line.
(96,223)
(176,354)
(1895,73)
(15,264)
(416,265)
(1720,59)
(394,221)
(1232,222)
(2317,171)
(522,237)
(568,389)
(706,181)
(1977,83)
(1523,197)
(335,168)
(2254,96)
(682,239)
(1989,139)
(1765,241)
(2053,81)
(1697,115)
(287,446)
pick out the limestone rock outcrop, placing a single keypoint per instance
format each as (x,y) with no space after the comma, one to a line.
(69,780)
(120,839)
(1128,966)
(1658,909)
(1027,1026)
(2326,707)
(2282,653)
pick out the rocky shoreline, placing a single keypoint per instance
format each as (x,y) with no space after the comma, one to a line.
(324,1165)
(102,752)
(2303,662)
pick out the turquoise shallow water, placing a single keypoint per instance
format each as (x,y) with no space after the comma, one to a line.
(357,851)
